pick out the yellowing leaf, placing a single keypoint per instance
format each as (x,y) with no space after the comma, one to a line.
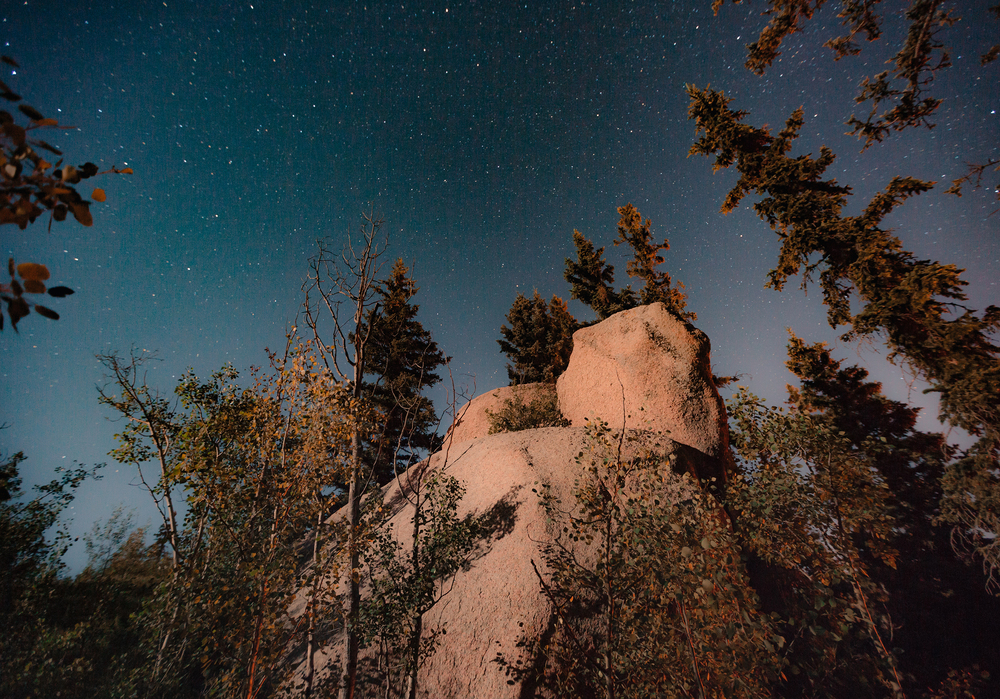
(33,271)
(126,171)
(98,195)
(33,286)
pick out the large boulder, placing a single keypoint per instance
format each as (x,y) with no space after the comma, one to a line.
(497,602)
(647,368)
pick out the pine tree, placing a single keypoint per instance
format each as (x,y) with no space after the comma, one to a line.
(592,279)
(539,340)
(646,258)
(915,306)
(928,588)
(403,359)
(912,462)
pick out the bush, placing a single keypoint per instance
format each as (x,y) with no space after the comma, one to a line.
(516,415)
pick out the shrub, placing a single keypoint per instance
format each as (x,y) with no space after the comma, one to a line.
(516,415)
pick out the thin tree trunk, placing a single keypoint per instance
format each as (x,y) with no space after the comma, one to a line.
(311,628)
(256,639)
(414,652)
(609,669)
(354,583)
(417,620)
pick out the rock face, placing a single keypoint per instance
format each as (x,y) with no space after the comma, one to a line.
(496,602)
(472,421)
(645,368)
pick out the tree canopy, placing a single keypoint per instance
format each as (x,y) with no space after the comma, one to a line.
(592,279)
(539,341)
(914,305)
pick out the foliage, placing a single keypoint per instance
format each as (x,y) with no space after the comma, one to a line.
(253,465)
(816,514)
(929,587)
(32,281)
(402,361)
(54,639)
(914,305)
(30,186)
(646,258)
(539,340)
(25,193)
(646,585)
(916,64)
(405,585)
(911,463)
(922,55)
(515,415)
(592,278)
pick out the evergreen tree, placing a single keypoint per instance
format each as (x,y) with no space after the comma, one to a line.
(928,588)
(592,279)
(539,340)
(914,305)
(403,359)
(646,258)
(912,462)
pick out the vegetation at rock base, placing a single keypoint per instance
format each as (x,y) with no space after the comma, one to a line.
(644,582)
(405,584)
(515,415)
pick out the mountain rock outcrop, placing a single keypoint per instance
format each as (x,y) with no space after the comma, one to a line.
(642,369)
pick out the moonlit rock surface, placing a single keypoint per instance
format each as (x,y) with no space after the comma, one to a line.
(497,602)
(645,368)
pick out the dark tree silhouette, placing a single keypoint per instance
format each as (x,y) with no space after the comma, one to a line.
(539,340)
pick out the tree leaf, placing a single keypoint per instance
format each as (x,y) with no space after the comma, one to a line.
(16,309)
(81,212)
(15,133)
(30,112)
(33,286)
(98,194)
(33,270)
(61,292)
(46,312)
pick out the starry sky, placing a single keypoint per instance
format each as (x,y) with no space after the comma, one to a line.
(483,132)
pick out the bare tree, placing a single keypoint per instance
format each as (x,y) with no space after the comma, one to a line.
(340,294)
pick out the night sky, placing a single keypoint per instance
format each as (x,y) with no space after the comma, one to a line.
(484,133)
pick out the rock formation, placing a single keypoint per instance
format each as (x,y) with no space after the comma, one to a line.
(646,368)
(661,366)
